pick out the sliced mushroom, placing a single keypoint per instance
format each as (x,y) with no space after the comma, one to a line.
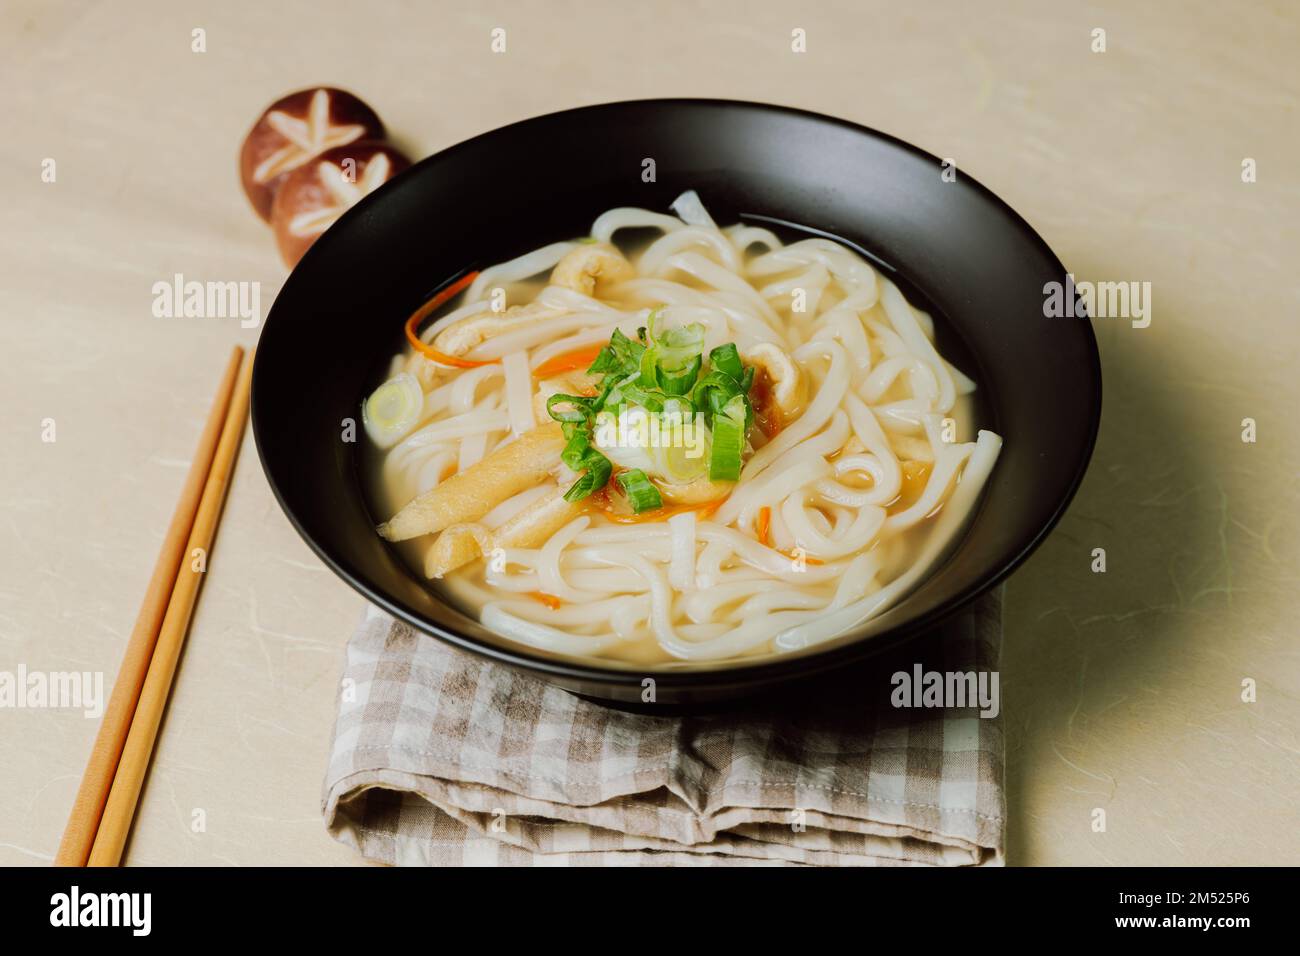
(584,266)
(530,528)
(783,376)
(470,494)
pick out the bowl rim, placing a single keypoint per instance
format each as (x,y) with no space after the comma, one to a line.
(769,669)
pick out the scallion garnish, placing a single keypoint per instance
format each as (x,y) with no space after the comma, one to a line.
(726,359)
(728,441)
(580,412)
(712,392)
(675,349)
(641,494)
(580,455)
(681,381)
(659,370)
(634,394)
(596,477)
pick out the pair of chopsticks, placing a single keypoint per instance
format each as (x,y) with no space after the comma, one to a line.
(110,788)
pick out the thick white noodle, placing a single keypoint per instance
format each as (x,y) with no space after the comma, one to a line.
(517,269)
(842,542)
(519,392)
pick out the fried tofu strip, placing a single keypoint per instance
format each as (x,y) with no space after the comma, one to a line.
(531,528)
(582,268)
(456,546)
(788,387)
(470,494)
(472,331)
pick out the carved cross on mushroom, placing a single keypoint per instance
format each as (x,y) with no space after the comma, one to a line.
(345,191)
(313,197)
(307,137)
(296,129)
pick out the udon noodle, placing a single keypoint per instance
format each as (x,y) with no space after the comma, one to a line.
(721,446)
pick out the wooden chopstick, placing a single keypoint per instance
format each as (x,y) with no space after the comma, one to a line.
(83,822)
(115,824)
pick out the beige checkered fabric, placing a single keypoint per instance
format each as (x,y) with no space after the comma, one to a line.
(441,759)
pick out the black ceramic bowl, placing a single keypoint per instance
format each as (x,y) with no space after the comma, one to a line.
(963,252)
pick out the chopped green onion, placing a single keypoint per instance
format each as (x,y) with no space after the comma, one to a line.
(634,393)
(577,448)
(393,409)
(681,381)
(627,352)
(597,476)
(677,408)
(726,359)
(728,441)
(580,412)
(579,455)
(648,370)
(605,362)
(641,494)
(675,348)
(713,391)
(682,465)
(662,373)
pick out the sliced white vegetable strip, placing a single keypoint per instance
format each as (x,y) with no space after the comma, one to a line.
(692,211)
(681,569)
(519,392)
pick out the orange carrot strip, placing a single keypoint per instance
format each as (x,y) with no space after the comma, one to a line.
(413,325)
(764,523)
(550,600)
(580,357)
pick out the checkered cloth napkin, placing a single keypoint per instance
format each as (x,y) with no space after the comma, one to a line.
(440,758)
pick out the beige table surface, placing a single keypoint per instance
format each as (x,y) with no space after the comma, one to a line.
(1122,690)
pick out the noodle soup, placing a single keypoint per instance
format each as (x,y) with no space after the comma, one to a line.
(717,446)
